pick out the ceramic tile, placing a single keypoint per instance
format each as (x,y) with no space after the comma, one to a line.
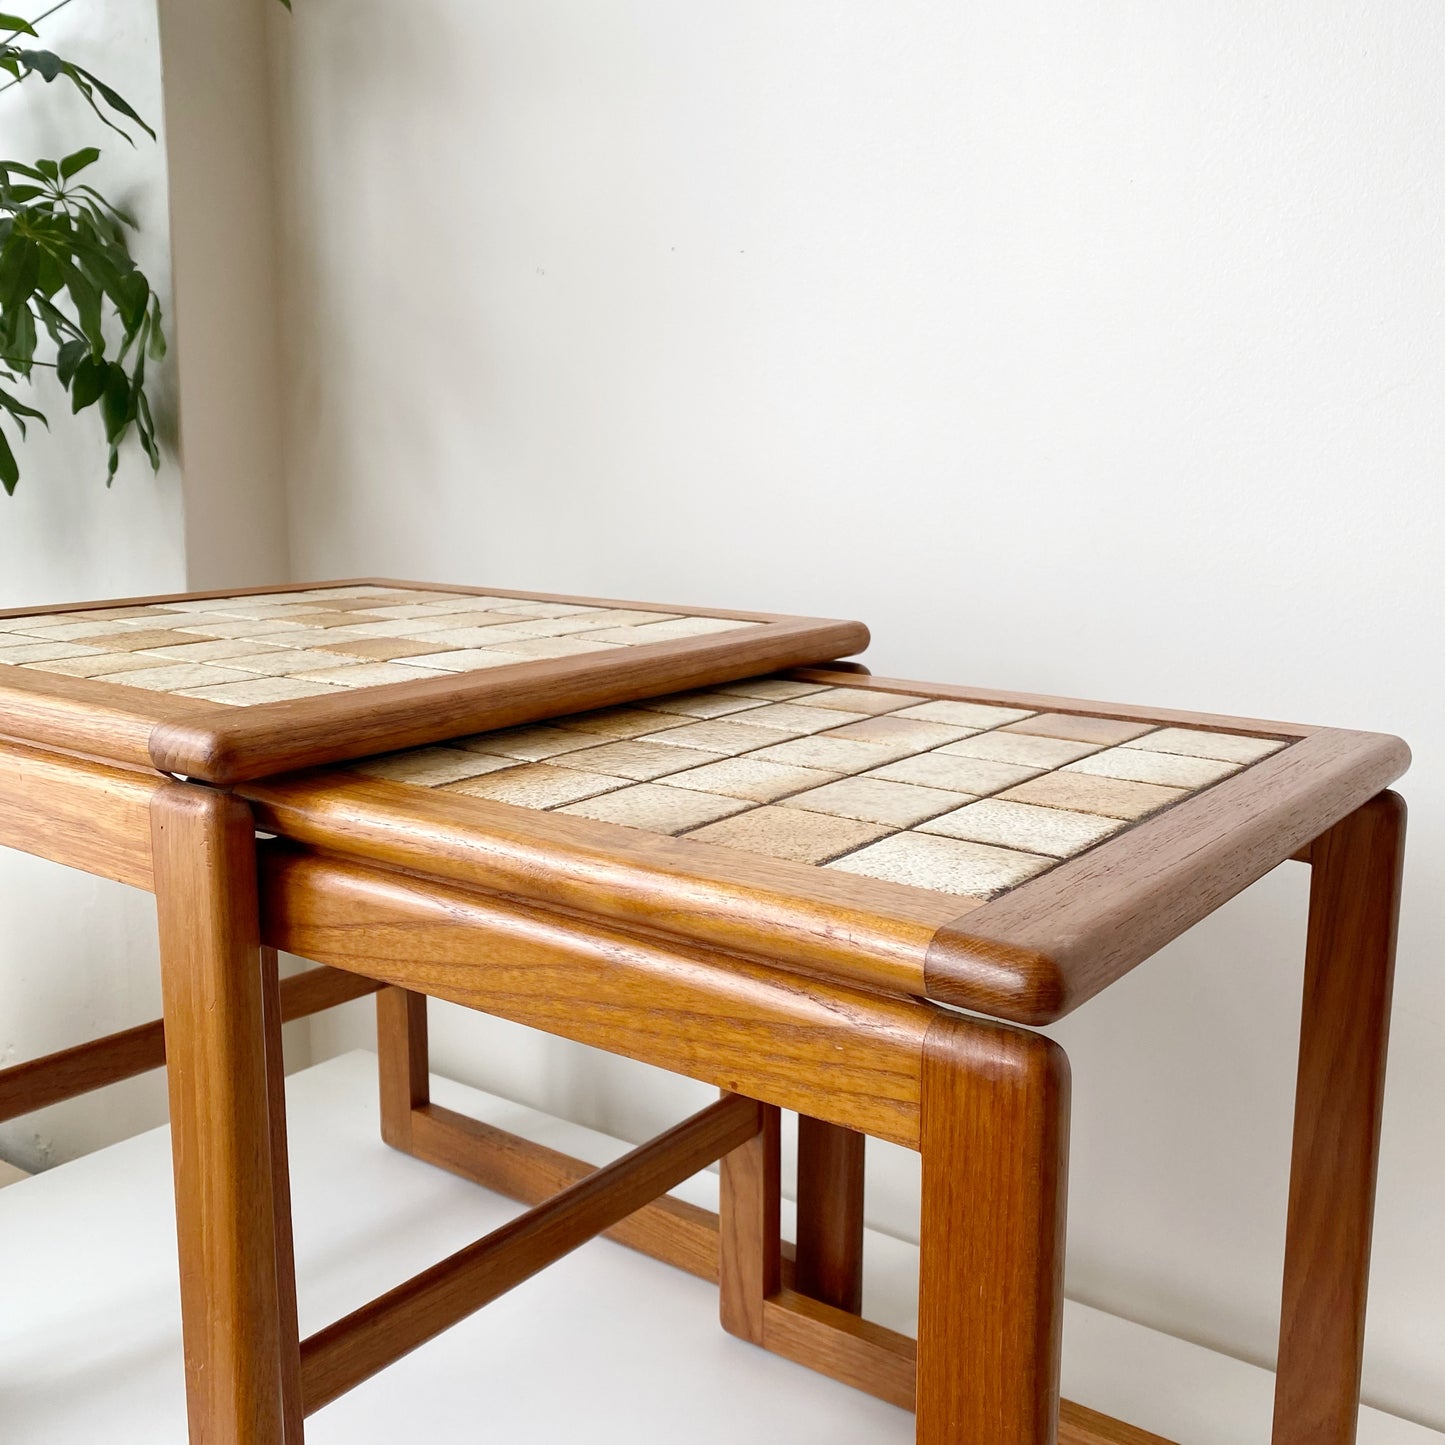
(750,778)
(634,758)
(702,704)
(944,865)
(789,833)
(872,800)
(215,651)
(1139,766)
(1054,832)
(521,607)
(381,649)
(619,722)
(136,639)
(670,631)
(256,690)
(656,809)
(965,714)
(534,648)
(309,638)
(464,659)
(69,631)
(1197,743)
(537,785)
(913,733)
(430,767)
(181,676)
(1080,729)
(531,744)
(327,619)
(285,662)
(793,718)
(373,674)
(100,664)
(1081,793)
(858,699)
(837,755)
(21,652)
(439,638)
(960,775)
(722,735)
(771,689)
(221,627)
(1022,748)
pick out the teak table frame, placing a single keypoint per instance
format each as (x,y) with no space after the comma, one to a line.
(984,1100)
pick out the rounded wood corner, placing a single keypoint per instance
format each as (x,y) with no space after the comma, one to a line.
(1020,985)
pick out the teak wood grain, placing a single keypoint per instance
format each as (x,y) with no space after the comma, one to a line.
(749,1231)
(830,1214)
(402,1059)
(1349,969)
(836,1053)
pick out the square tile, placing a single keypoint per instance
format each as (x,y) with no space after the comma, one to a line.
(542,647)
(255,690)
(214,651)
(717,735)
(789,833)
(966,714)
(523,607)
(1079,728)
(670,631)
(1137,765)
(1022,748)
(702,704)
(912,733)
(872,800)
(954,774)
(430,767)
(858,699)
(633,758)
(792,717)
(656,809)
(536,785)
(225,627)
(944,865)
(749,778)
(461,659)
(17,653)
(1198,743)
(1053,832)
(69,631)
(441,638)
(373,674)
(135,639)
(380,649)
(1081,793)
(180,676)
(619,722)
(530,744)
(834,754)
(772,689)
(285,661)
(100,664)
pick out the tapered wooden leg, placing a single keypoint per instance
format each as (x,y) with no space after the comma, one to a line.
(995,1166)
(830,1214)
(402,1062)
(748,1228)
(216,1039)
(1349,970)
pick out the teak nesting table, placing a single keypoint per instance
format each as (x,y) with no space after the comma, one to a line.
(820,891)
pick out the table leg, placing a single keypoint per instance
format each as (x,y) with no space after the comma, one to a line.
(215,989)
(830,1214)
(403,1062)
(995,1166)
(749,1250)
(1349,969)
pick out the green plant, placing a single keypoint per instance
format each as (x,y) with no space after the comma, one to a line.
(66,272)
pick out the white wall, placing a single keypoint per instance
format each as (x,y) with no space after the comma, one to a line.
(77,955)
(1093,349)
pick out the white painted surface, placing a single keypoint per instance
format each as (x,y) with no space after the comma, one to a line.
(605,1346)
(1092,349)
(77,956)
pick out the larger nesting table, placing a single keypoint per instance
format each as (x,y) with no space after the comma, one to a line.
(851,897)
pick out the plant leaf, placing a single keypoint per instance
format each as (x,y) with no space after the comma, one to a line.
(87,383)
(68,359)
(77,161)
(14,25)
(9,469)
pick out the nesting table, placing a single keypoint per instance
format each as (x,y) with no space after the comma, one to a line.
(849,897)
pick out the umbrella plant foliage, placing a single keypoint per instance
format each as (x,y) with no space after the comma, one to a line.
(69,288)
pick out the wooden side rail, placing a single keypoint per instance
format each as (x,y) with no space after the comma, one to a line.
(367,1340)
(38,1083)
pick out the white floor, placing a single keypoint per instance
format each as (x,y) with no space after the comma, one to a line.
(604,1347)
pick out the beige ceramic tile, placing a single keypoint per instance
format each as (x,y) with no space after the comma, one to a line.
(718,735)
(180,676)
(463,659)
(1138,766)
(789,833)
(136,639)
(945,865)
(965,714)
(537,785)
(681,627)
(656,809)
(374,674)
(102,664)
(1080,728)
(977,776)
(284,662)
(224,627)
(750,778)
(634,758)
(216,651)
(1081,793)
(619,722)
(70,631)
(771,689)
(913,733)
(793,718)
(872,800)
(835,754)
(1054,832)
(309,637)
(702,704)
(444,637)
(522,607)
(430,767)
(858,699)
(540,647)
(380,649)
(22,652)
(254,690)
(1021,748)
(1197,743)
(530,744)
